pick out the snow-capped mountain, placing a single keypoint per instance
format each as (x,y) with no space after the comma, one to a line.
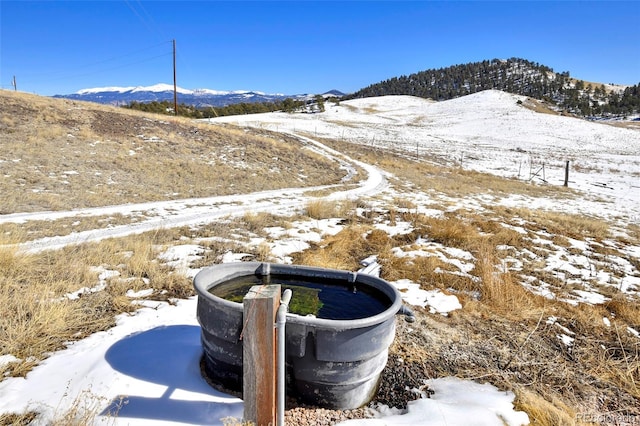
(161,92)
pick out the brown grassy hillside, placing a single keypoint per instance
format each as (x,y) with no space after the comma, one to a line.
(59,154)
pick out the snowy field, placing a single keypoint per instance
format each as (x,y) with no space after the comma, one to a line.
(488,132)
(146,367)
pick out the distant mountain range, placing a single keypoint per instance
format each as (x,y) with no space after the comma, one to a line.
(200,98)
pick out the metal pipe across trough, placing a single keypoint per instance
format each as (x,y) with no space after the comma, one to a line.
(330,363)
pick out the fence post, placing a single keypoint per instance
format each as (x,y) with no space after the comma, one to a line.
(259,389)
(566,174)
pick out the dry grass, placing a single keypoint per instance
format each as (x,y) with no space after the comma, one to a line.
(451,231)
(37,318)
(257,222)
(499,289)
(625,309)
(405,204)
(543,412)
(344,250)
(40,317)
(11,419)
(83,411)
(321,209)
(326,209)
(62,154)
(618,364)
(539,106)
(562,224)
(13,233)
(633,229)
(429,272)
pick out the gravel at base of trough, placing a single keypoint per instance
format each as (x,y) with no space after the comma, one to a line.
(398,385)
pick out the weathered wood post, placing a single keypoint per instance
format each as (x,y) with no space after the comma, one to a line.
(566,174)
(260,306)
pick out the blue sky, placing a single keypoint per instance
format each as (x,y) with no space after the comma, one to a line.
(291,47)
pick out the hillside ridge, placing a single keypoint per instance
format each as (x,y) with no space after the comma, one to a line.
(517,76)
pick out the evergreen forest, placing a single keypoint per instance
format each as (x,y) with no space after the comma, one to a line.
(518,76)
(166,107)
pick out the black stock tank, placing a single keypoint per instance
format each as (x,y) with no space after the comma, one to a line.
(337,333)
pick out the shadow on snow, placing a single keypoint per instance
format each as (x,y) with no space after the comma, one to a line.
(168,356)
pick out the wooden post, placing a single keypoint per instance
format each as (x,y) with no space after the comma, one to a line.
(260,306)
(566,174)
(175,91)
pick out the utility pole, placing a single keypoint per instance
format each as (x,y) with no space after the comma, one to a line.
(175,92)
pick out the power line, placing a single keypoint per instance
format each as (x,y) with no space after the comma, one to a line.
(146,18)
(112,68)
(26,82)
(150,24)
(128,54)
(48,73)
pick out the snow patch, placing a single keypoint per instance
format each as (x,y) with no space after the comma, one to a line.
(436,300)
(484,405)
